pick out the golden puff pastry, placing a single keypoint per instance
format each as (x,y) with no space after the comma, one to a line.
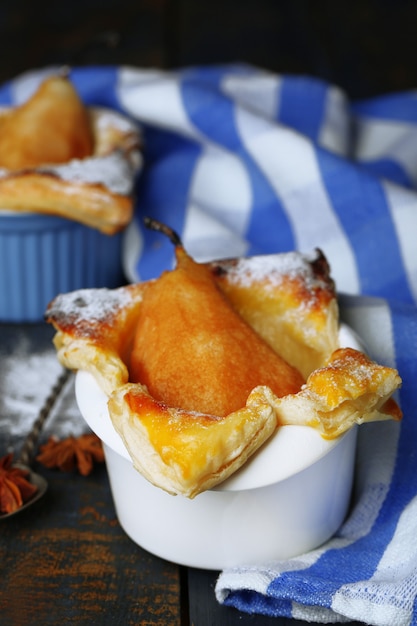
(187,452)
(288,300)
(350,389)
(58,157)
(95,330)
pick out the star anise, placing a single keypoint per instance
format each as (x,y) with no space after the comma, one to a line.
(72,453)
(15,489)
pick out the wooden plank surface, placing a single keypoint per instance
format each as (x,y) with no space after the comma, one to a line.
(66,558)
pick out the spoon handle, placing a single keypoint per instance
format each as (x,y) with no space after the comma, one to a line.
(31,440)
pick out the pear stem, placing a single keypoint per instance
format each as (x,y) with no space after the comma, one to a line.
(159,227)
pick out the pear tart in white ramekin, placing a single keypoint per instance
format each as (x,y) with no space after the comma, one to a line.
(203,364)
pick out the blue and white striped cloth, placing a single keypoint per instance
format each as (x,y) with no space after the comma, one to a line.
(240,161)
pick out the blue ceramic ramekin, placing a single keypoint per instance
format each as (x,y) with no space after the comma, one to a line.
(42,255)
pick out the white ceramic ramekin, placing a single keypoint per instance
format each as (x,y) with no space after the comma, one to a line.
(42,256)
(290,497)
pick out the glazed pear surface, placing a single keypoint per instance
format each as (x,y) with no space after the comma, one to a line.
(53,126)
(194,352)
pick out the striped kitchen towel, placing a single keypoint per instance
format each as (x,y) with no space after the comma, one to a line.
(240,161)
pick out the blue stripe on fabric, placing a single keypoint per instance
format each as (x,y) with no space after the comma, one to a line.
(97,85)
(302,105)
(6,94)
(400,107)
(252,602)
(213,114)
(163,194)
(212,75)
(361,206)
(414,618)
(390,170)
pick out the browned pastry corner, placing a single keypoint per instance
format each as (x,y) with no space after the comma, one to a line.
(59,157)
(290,300)
(95,330)
(349,389)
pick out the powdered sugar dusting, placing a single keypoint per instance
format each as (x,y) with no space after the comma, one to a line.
(105,118)
(113,170)
(271,269)
(89,305)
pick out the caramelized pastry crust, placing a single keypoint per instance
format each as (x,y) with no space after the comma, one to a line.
(290,302)
(187,452)
(349,389)
(95,329)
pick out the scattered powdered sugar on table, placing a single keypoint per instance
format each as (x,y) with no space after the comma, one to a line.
(26,382)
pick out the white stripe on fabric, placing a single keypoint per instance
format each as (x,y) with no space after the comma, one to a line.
(335,131)
(288,161)
(206,238)
(403,207)
(388,596)
(317,614)
(377,442)
(155,97)
(132,250)
(376,138)
(370,318)
(258,93)
(220,184)
(402,550)
(256,579)
(376,454)
(384,139)
(358,609)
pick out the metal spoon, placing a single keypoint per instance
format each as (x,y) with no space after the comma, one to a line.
(26,454)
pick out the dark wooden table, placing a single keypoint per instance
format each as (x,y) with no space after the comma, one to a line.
(66,558)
